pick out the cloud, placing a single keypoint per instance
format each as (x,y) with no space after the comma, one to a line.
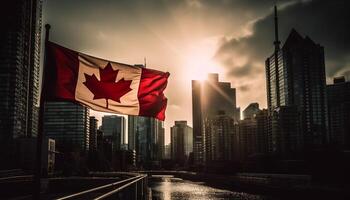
(325,22)
(244,88)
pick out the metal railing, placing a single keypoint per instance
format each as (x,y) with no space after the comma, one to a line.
(132,188)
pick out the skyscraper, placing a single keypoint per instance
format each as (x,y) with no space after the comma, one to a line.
(247,137)
(161,140)
(197,121)
(145,136)
(19,69)
(218,137)
(251,111)
(113,126)
(338,96)
(209,97)
(68,124)
(93,133)
(181,139)
(262,119)
(295,76)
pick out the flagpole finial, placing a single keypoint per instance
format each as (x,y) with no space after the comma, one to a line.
(47,31)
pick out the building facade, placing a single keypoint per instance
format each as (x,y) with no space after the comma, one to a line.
(146,137)
(208,98)
(251,111)
(113,126)
(68,124)
(295,76)
(218,138)
(262,122)
(247,138)
(338,96)
(181,139)
(27,154)
(20,38)
(92,133)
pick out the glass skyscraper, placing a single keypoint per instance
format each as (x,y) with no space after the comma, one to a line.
(68,124)
(113,126)
(295,77)
(181,138)
(146,137)
(92,133)
(338,97)
(208,98)
(20,38)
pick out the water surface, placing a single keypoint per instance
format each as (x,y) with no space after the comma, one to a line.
(178,189)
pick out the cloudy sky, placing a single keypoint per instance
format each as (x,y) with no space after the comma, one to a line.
(190,38)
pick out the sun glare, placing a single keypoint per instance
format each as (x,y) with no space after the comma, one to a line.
(199,62)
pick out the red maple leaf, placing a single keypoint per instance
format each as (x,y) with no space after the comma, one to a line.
(106,87)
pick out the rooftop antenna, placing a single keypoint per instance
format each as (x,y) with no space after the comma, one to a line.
(276,42)
(144,59)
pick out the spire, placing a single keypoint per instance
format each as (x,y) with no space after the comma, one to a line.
(276,42)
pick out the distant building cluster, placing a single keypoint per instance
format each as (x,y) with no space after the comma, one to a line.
(304,114)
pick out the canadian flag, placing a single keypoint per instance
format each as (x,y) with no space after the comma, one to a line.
(103,85)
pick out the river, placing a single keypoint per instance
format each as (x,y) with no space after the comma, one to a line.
(170,188)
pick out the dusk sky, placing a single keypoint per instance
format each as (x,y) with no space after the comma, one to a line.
(190,38)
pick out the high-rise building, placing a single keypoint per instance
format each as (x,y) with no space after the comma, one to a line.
(99,140)
(252,136)
(167,151)
(209,97)
(338,96)
(262,121)
(93,133)
(161,140)
(181,139)
(286,135)
(247,138)
(20,38)
(218,138)
(146,137)
(113,126)
(295,76)
(251,111)
(197,121)
(68,124)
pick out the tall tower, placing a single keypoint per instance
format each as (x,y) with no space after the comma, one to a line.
(295,79)
(276,42)
(208,98)
(19,70)
(275,73)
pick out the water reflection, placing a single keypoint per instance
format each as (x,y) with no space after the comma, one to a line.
(178,189)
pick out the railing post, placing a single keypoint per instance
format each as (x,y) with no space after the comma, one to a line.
(136,192)
(145,189)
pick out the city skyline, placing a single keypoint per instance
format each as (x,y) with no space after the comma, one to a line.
(180,32)
(197,99)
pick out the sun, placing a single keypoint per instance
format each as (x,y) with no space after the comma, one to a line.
(199,62)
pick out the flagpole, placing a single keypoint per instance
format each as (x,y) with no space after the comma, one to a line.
(40,136)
